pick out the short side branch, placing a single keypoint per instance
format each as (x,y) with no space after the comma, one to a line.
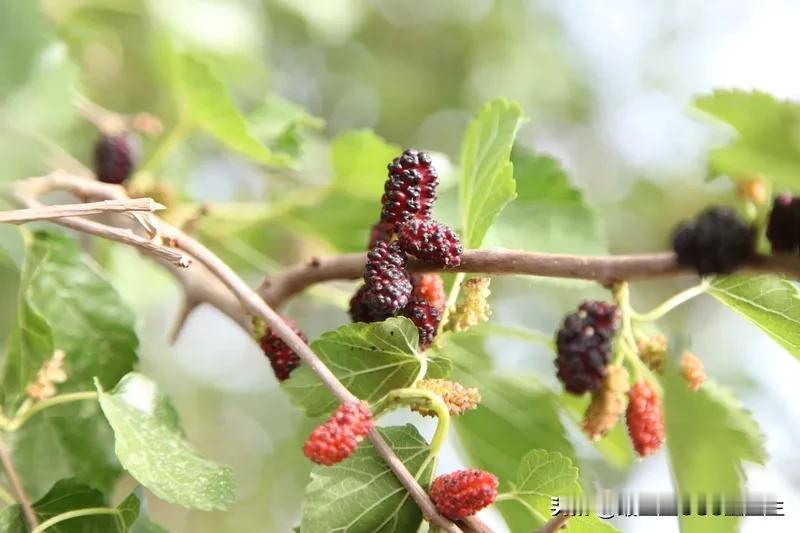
(16,486)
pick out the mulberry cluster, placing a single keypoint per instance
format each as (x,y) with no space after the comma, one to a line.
(406,227)
(455,396)
(645,419)
(463,493)
(716,242)
(115,156)
(783,228)
(584,345)
(282,358)
(338,438)
(607,404)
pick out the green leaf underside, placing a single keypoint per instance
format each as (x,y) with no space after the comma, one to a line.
(768,139)
(369,359)
(362,494)
(772,303)
(549,213)
(487,175)
(709,437)
(152,448)
(98,337)
(208,105)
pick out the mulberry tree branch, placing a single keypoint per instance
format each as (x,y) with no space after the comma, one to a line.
(29,190)
(19,492)
(607,270)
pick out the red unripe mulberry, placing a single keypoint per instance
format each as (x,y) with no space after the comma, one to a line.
(338,438)
(463,493)
(645,419)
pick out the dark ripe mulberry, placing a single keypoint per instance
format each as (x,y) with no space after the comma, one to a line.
(430,241)
(584,345)
(410,190)
(426,317)
(783,229)
(388,288)
(282,358)
(381,231)
(115,156)
(718,241)
(361,310)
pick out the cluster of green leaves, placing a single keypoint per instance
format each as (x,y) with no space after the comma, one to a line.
(70,455)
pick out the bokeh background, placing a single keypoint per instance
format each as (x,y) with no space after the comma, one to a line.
(607,87)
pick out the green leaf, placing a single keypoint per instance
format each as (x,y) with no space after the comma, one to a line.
(768,139)
(90,321)
(276,115)
(133,513)
(359,160)
(769,302)
(153,449)
(549,214)
(487,175)
(208,105)
(544,474)
(369,359)
(709,437)
(362,494)
(97,334)
(70,495)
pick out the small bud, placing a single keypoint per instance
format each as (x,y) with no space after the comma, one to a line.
(652,352)
(692,371)
(474,307)
(753,189)
(51,373)
(458,398)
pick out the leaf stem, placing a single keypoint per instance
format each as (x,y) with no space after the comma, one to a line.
(412,397)
(69,515)
(25,414)
(671,303)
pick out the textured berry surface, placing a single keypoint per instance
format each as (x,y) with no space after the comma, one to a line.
(607,404)
(783,229)
(114,157)
(410,190)
(653,351)
(426,318)
(474,308)
(388,287)
(430,288)
(430,241)
(338,438)
(361,310)
(455,396)
(381,231)
(282,359)
(717,241)
(463,493)
(645,419)
(584,345)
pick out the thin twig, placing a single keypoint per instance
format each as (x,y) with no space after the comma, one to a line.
(604,269)
(16,486)
(72,210)
(250,300)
